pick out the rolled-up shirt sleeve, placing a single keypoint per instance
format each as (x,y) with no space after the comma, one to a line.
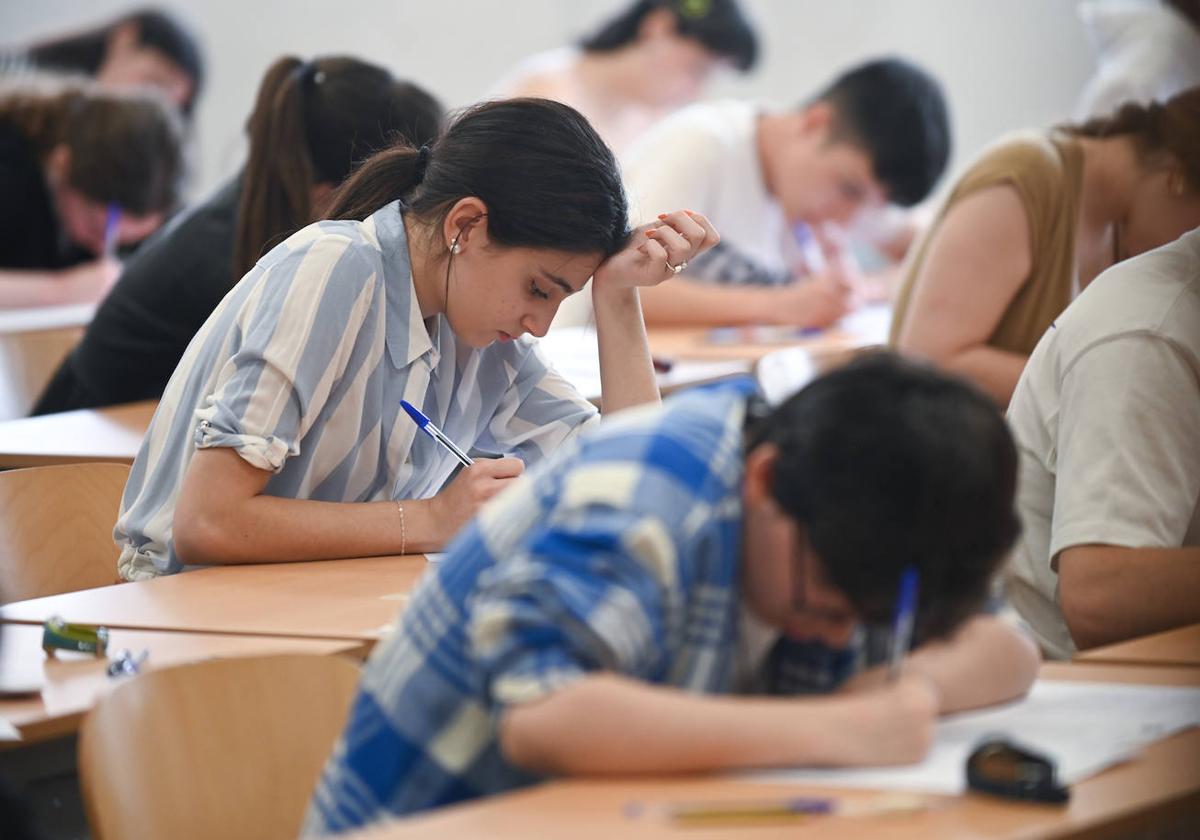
(290,346)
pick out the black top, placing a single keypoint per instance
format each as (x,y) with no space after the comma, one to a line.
(30,234)
(166,292)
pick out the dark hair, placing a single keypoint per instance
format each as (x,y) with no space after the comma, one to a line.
(718,25)
(895,112)
(126,148)
(84,52)
(544,174)
(1171,127)
(890,464)
(312,122)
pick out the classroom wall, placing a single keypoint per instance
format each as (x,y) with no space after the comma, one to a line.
(1005,64)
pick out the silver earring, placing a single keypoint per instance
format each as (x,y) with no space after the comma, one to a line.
(454,249)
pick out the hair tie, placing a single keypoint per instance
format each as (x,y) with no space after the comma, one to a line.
(422,163)
(309,74)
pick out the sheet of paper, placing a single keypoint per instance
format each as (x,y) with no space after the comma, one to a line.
(1084,727)
(8,732)
(573,352)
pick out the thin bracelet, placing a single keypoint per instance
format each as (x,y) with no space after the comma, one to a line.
(403,533)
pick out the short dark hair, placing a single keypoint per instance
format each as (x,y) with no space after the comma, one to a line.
(126,146)
(719,25)
(546,177)
(84,52)
(887,464)
(895,112)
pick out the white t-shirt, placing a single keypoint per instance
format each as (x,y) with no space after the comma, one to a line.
(1107,421)
(1145,51)
(705,158)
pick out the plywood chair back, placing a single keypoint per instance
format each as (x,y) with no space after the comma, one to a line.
(56,528)
(227,748)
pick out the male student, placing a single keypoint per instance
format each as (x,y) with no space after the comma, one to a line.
(781,185)
(1107,420)
(646,602)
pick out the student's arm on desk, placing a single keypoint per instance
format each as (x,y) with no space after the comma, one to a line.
(987,661)
(1110,593)
(607,724)
(85,283)
(222,518)
(975,264)
(686,303)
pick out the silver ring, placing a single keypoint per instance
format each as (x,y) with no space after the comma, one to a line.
(675,269)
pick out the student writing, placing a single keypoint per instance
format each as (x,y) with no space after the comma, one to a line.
(653,599)
(70,153)
(281,437)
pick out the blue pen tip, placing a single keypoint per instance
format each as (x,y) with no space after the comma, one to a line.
(415,413)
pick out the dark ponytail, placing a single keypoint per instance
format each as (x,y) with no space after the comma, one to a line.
(1171,127)
(544,174)
(312,122)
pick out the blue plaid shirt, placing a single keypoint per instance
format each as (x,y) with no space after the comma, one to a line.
(620,554)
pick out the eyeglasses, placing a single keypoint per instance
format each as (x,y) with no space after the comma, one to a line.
(1001,768)
(801,605)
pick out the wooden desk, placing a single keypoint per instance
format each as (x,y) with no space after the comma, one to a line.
(33,341)
(1159,789)
(355,600)
(71,682)
(864,328)
(101,434)
(1179,647)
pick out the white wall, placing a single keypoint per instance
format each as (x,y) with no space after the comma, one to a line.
(1005,63)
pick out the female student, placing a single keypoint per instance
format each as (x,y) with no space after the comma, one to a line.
(654,57)
(311,123)
(81,171)
(1033,222)
(281,437)
(146,47)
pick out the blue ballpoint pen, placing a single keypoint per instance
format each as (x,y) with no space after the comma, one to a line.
(111,220)
(902,626)
(426,426)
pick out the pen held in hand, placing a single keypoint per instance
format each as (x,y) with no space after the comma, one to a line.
(112,221)
(427,426)
(902,626)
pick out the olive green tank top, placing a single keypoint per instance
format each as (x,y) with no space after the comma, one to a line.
(1046,169)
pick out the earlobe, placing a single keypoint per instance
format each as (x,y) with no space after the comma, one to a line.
(58,164)
(760,473)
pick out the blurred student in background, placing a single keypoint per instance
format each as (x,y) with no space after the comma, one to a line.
(312,122)
(652,58)
(1033,221)
(773,181)
(1107,421)
(82,172)
(147,47)
(1146,50)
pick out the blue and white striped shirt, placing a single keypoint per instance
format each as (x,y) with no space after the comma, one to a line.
(301,370)
(620,553)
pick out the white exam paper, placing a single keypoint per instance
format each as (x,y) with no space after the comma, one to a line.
(1083,726)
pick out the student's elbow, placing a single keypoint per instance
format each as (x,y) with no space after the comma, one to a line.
(1089,593)
(526,742)
(1022,655)
(200,536)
